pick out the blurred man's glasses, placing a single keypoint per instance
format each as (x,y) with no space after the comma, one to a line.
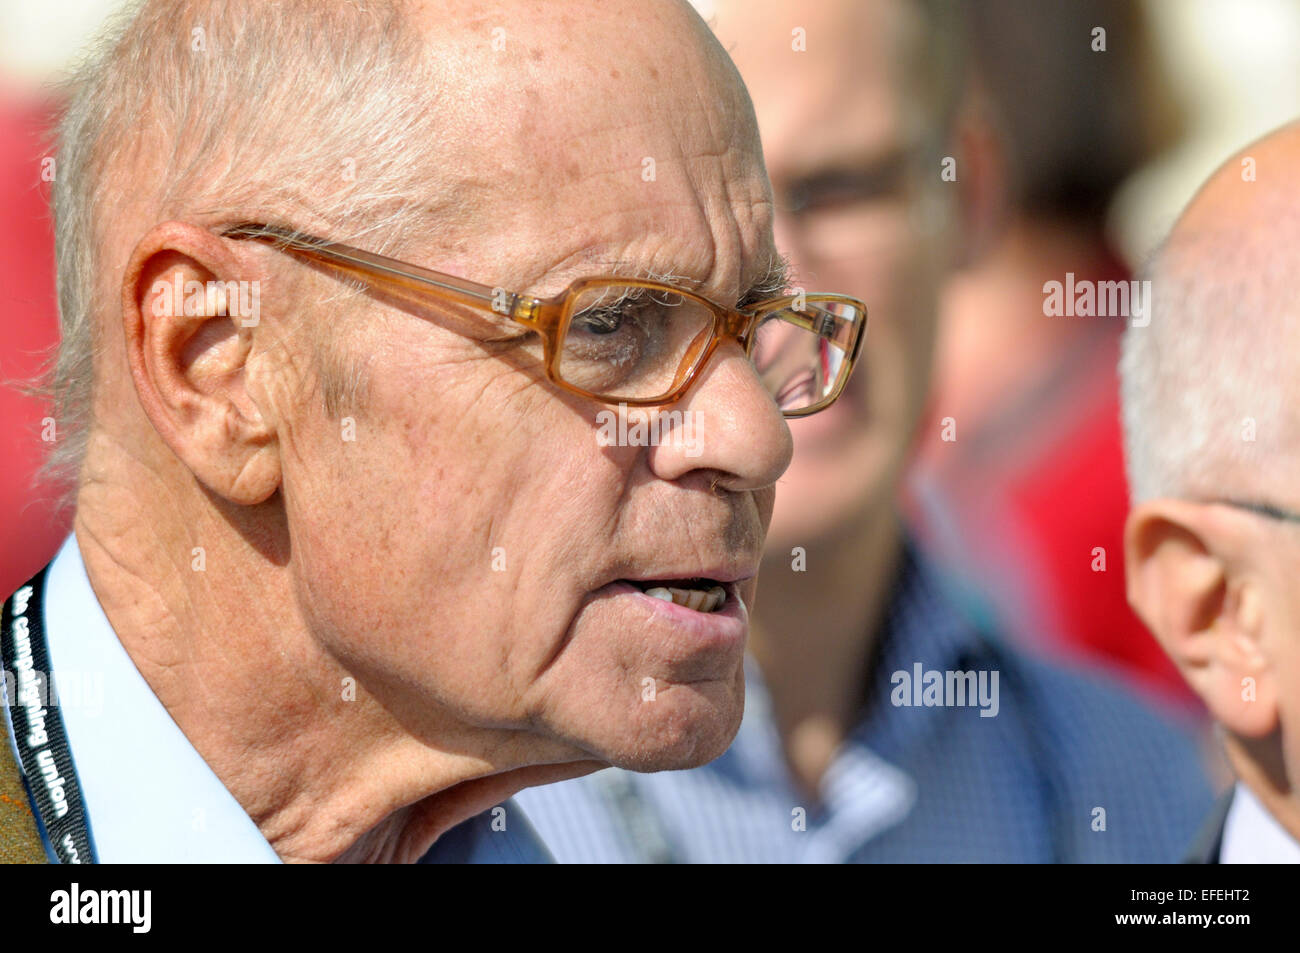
(1267,510)
(623,340)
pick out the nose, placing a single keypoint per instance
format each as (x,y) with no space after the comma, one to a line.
(731,428)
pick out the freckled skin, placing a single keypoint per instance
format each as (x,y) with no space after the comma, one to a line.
(371,556)
(460,451)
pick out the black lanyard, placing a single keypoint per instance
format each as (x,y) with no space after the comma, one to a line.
(39,735)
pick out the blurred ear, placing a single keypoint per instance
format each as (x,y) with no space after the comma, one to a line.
(1186,581)
(190,310)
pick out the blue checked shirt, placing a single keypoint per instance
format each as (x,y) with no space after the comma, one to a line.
(1070,769)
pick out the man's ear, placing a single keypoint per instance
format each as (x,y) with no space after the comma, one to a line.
(1186,582)
(190,309)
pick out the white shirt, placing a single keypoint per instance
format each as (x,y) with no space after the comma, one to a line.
(148,794)
(1251,835)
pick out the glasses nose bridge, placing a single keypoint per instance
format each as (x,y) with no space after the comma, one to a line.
(734,323)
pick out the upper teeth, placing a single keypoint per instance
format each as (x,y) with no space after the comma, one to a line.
(696,599)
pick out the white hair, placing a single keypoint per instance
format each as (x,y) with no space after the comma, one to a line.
(260,109)
(1207,386)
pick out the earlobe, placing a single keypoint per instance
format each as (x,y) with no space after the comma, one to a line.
(188,350)
(1247,701)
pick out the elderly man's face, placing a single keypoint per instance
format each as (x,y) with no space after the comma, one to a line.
(842,125)
(468,553)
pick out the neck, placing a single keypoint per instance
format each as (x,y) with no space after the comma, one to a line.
(200,595)
(814,632)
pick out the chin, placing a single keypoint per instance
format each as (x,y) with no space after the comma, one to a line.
(684,727)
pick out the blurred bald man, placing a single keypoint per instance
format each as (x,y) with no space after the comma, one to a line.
(848,750)
(1212,426)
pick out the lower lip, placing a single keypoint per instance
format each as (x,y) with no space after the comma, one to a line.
(728,625)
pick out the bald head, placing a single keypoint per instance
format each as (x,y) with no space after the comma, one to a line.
(1212,425)
(394,125)
(1209,387)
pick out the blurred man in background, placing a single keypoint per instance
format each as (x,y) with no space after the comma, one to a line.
(882,722)
(1213,434)
(1026,402)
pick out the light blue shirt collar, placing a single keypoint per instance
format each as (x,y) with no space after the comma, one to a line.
(149,794)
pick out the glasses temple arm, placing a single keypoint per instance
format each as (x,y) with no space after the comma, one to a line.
(386,274)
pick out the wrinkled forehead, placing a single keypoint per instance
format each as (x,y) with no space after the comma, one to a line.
(627,138)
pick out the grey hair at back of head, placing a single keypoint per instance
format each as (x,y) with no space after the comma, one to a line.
(258,109)
(1204,385)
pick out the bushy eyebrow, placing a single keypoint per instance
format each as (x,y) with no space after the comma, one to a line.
(773,283)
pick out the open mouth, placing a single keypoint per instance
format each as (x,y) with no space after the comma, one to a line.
(702,595)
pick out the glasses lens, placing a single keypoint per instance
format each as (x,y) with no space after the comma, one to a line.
(624,342)
(802,354)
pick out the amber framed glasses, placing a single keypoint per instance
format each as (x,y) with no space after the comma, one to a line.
(1266,510)
(626,340)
